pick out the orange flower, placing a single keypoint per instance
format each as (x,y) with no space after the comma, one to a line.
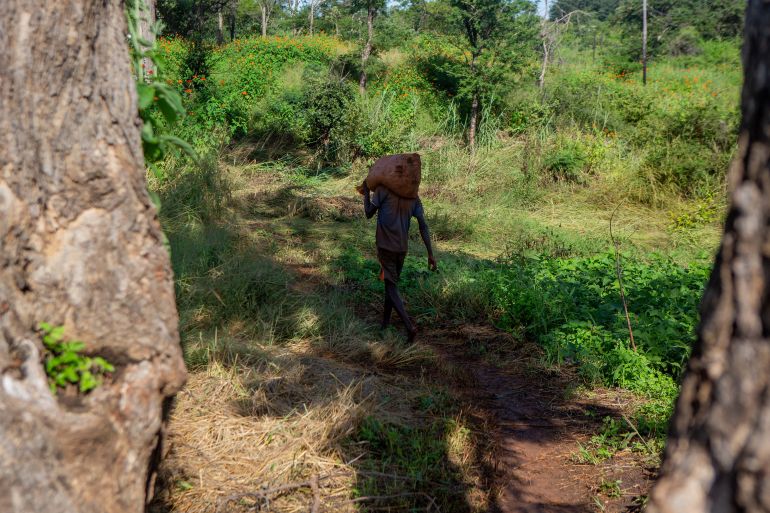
(188,91)
(203,78)
(244,93)
(179,81)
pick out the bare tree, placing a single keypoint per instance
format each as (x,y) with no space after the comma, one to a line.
(81,247)
(266,8)
(550,34)
(313,5)
(718,453)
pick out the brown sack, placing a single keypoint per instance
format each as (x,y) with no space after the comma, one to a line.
(400,173)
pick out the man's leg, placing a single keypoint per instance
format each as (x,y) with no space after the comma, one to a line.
(388,311)
(391,290)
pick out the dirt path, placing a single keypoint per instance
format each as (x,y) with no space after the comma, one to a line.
(535,429)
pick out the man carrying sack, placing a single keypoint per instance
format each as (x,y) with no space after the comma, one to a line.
(395,180)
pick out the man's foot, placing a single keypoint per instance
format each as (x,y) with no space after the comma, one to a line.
(411,334)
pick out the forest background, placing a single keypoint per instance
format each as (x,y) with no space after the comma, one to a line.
(560,190)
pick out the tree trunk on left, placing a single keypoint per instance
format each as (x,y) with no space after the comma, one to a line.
(367,51)
(81,247)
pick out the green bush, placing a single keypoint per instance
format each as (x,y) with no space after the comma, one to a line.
(566,163)
(690,167)
(573,306)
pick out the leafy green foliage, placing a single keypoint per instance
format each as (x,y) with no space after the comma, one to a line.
(66,365)
(160,105)
(573,306)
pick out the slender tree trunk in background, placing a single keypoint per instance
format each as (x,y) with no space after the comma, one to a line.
(544,37)
(146,25)
(367,51)
(474,121)
(644,42)
(312,15)
(80,246)
(336,28)
(718,453)
(220,28)
(263,19)
(544,66)
(233,13)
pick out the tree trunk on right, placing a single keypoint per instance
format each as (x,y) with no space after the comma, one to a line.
(718,453)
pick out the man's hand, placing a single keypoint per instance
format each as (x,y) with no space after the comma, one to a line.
(432,263)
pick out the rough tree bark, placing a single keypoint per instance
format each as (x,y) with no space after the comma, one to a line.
(718,453)
(80,246)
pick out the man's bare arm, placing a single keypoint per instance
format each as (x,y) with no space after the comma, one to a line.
(425,234)
(369,208)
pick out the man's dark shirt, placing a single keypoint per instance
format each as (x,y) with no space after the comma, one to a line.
(393,219)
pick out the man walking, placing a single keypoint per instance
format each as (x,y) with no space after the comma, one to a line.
(394,214)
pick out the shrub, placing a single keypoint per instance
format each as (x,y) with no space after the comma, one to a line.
(686,42)
(688,166)
(572,305)
(566,163)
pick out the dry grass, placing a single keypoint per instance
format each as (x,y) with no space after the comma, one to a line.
(279,417)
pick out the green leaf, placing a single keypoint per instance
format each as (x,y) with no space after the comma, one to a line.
(75,346)
(70,374)
(183,145)
(145,94)
(169,102)
(148,133)
(57,333)
(103,364)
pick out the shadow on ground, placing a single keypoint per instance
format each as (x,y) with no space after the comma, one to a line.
(295,397)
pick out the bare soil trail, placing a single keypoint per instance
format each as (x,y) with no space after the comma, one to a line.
(534,428)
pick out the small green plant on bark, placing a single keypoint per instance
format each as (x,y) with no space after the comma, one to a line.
(66,365)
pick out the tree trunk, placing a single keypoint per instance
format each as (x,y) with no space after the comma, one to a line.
(544,36)
(220,28)
(718,453)
(263,20)
(644,42)
(474,121)
(80,246)
(146,26)
(367,51)
(312,15)
(544,66)
(233,13)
